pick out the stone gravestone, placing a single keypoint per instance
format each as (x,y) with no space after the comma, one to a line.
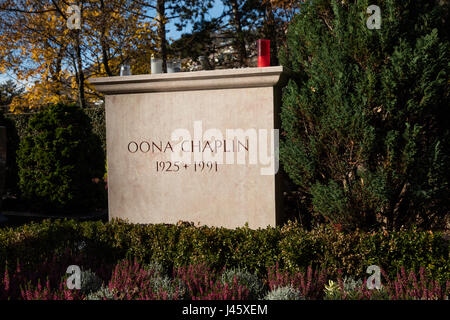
(195,146)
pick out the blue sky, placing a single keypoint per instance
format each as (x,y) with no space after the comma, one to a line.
(172,33)
(214,12)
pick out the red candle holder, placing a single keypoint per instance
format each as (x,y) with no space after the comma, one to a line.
(263,53)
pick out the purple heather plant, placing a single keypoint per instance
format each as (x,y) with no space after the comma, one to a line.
(406,286)
(310,285)
(131,280)
(204,284)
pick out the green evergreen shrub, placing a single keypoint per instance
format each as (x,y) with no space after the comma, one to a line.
(353,252)
(97,119)
(59,159)
(12,141)
(17,124)
(365,125)
(20,122)
(176,246)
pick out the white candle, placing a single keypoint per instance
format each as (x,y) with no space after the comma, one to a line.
(125,70)
(174,66)
(170,67)
(156,65)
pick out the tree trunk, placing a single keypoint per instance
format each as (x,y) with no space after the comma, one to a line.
(104,44)
(160,9)
(56,71)
(79,62)
(271,34)
(105,58)
(240,41)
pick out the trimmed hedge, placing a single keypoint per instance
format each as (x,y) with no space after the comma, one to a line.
(59,159)
(97,119)
(95,114)
(289,247)
(16,130)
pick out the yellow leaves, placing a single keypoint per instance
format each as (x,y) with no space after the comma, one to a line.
(47,92)
(115,15)
(41,93)
(94,13)
(74,83)
(41,47)
(35,54)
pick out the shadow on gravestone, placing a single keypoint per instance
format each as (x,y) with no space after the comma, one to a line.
(2,169)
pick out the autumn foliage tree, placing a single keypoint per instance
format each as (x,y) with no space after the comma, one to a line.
(37,46)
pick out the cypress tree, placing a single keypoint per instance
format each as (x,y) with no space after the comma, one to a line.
(365,121)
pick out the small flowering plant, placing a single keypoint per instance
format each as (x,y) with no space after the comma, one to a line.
(133,280)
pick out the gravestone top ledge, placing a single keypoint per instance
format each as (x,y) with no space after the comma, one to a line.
(190,81)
